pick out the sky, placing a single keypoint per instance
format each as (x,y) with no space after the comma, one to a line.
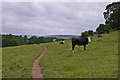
(51,18)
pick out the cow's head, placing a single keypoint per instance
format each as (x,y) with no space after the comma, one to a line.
(89,39)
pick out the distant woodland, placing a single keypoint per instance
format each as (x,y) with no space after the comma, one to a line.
(15,40)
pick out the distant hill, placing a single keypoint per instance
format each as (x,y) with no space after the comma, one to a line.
(53,36)
(62,36)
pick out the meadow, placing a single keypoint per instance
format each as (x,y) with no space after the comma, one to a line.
(17,61)
(99,61)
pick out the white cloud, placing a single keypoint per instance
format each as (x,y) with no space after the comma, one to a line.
(51,18)
(59,0)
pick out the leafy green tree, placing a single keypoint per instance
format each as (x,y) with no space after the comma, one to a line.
(90,32)
(112,15)
(15,40)
(84,34)
(103,28)
(33,40)
(100,29)
(41,39)
(9,40)
(87,33)
(107,27)
(25,39)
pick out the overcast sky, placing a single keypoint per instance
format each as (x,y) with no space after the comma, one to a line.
(51,18)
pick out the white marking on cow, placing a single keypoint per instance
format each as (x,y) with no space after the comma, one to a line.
(54,40)
(89,39)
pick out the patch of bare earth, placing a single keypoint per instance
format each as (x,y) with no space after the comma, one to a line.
(36,70)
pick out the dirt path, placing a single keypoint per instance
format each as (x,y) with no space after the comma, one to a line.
(36,70)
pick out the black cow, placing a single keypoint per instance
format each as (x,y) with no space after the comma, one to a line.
(108,33)
(62,41)
(100,36)
(80,41)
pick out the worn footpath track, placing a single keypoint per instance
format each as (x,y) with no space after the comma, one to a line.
(36,70)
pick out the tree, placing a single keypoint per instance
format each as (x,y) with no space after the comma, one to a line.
(90,32)
(84,34)
(103,28)
(9,40)
(25,39)
(100,29)
(107,27)
(112,15)
(15,40)
(33,40)
(87,33)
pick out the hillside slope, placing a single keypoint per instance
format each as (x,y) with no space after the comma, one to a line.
(17,61)
(99,61)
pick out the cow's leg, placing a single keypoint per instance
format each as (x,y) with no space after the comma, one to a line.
(84,47)
(73,46)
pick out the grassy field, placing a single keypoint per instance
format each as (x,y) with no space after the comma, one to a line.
(17,61)
(99,61)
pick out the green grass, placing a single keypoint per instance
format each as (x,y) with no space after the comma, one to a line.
(99,61)
(0,63)
(17,61)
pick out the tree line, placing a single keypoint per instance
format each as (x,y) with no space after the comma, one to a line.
(87,33)
(112,20)
(16,40)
